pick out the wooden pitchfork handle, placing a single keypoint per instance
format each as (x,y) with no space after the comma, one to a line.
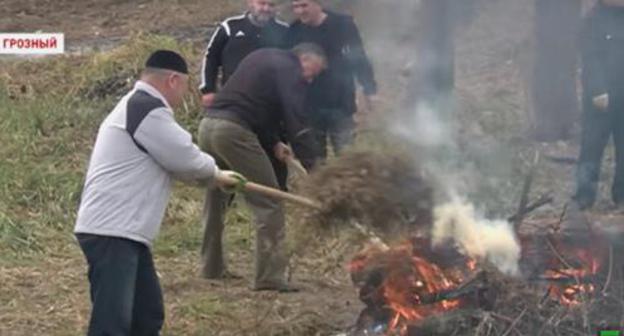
(270,192)
(282,195)
(296,166)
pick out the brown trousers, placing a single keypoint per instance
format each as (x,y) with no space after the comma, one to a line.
(237,148)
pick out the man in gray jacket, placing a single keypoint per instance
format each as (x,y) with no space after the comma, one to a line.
(139,148)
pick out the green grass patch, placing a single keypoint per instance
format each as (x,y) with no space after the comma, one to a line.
(50,110)
(183,231)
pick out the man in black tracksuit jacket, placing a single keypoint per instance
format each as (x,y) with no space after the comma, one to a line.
(331,97)
(603,99)
(234,39)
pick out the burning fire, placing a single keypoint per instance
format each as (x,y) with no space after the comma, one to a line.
(569,283)
(404,285)
(413,287)
(406,297)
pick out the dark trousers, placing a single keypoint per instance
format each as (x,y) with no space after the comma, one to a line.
(598,126)
(335,125)
(125,293)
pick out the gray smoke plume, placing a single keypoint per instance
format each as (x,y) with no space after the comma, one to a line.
(460,165)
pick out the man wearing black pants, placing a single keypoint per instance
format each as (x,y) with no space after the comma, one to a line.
(121,272)
(139,148)
(603,99)
(331,97)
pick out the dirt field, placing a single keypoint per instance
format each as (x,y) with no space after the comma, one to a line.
(47,294)
(83,21)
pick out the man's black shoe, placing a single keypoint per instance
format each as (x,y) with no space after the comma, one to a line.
(280,288)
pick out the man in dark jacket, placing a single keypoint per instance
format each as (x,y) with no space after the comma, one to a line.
(234,39)
(603,99)
(332,95)
(264,95)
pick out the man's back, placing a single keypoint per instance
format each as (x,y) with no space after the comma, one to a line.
(252,92)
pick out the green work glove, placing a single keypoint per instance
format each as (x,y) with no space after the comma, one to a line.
(230,181)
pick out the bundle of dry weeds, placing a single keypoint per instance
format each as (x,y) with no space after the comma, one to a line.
(384,191)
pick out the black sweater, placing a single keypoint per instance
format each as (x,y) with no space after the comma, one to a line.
(602,44)
(339,36)
(267,92)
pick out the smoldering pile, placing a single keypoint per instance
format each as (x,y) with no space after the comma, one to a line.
(383,191)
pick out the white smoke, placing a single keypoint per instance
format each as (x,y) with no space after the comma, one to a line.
(448,147)
(424,128)
(458,223)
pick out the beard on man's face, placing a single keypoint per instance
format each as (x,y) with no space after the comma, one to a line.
(262,17)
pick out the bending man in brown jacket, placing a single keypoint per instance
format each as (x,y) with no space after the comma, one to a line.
(265,93)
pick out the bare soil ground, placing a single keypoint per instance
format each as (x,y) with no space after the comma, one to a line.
(89,20)
(50,297)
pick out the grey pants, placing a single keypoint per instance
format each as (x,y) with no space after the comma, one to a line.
(237,148)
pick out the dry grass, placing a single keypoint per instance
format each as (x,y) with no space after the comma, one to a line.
(48,295)
(372,187)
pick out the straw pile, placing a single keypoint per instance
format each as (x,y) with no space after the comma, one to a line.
(383,191)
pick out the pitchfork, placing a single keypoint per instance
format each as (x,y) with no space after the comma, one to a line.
(301,200)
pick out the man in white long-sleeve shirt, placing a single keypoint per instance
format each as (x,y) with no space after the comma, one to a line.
(139,148)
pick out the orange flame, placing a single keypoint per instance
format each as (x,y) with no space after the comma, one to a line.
(570,295)
(409,284)
(412,284)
